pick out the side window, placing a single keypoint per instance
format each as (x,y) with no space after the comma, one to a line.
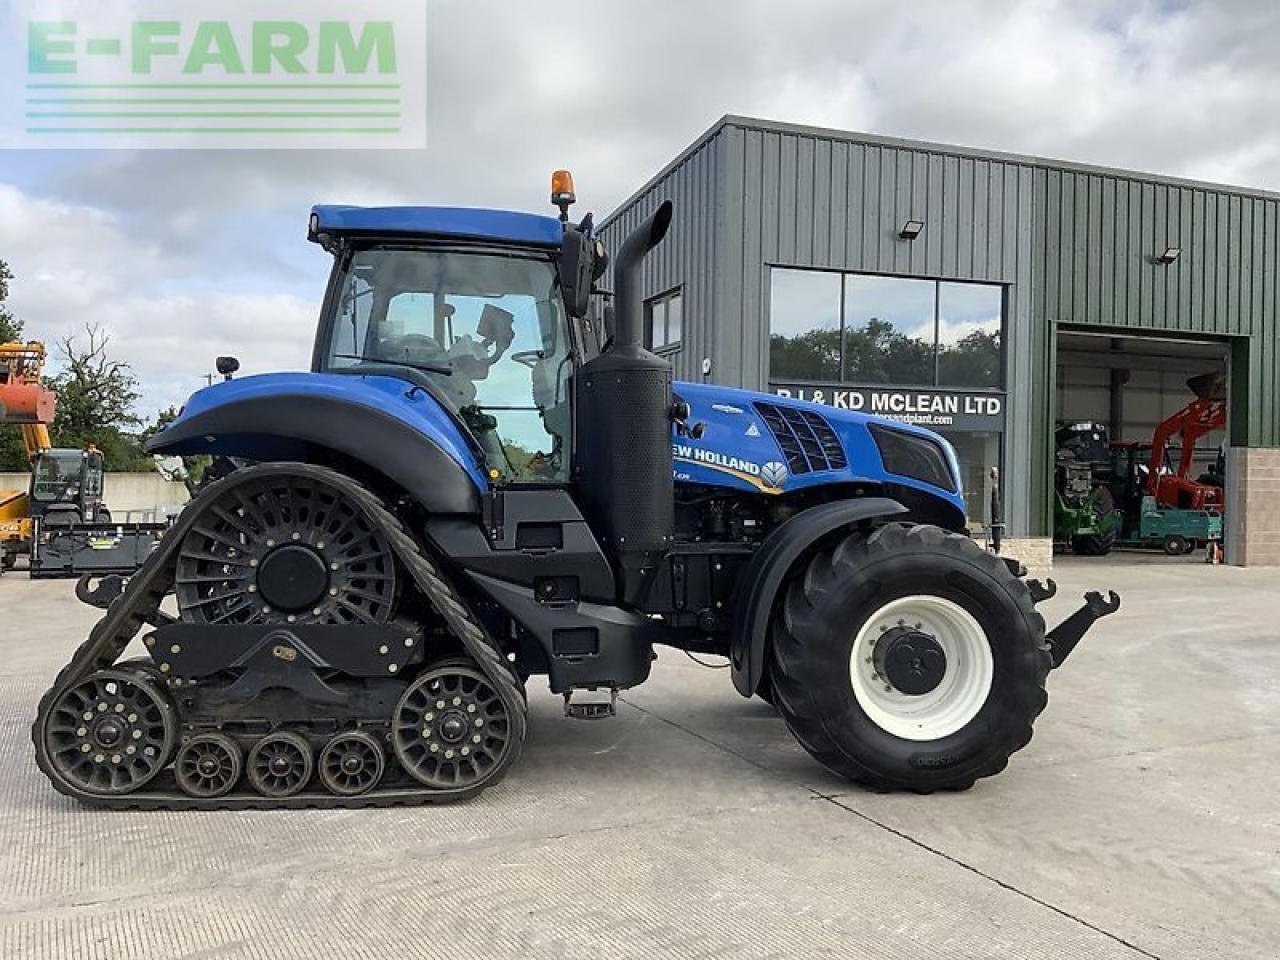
(351,331)
(664,321)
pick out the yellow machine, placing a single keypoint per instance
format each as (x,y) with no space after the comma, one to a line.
(27,404)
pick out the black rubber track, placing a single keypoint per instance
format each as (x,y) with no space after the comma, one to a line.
(147,589)
(836,593)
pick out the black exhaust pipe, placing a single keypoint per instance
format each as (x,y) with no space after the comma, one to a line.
(623,466)
(628,300)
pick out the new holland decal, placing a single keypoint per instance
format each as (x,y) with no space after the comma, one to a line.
(766,477)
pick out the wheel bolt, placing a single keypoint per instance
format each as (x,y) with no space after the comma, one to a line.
(137,734)
(253,561)
(435,748)
(471,708)
(465,751)
(119,708)
(253,588)
(87,715)
(448,754)
(176,648)
(292,618)
(428,717)
(457,701)
(131,749)
(102,708)
(133,718)
(439,704)
(81,731)
(382,649)
(392,668)
(333,591)
(408,641)
(116,758)
(271,543)
(149,751)
(476,738)
(98,758)
(335,565)
(296,535)
(479,721)
(85,748)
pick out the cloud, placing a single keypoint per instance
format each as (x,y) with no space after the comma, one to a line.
(78,266)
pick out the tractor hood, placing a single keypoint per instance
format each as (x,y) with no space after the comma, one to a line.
(773,445)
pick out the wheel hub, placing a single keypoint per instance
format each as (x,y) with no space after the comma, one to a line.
(293,577)
(912,661)
(453,727)
(108,733)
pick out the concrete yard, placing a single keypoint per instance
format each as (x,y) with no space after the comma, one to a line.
(1142,821)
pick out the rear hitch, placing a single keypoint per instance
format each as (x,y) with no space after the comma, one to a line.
(1063,638)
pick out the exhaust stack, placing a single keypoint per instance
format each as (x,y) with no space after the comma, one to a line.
(623,408)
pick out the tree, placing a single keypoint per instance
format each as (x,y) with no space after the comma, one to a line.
(972,361)
(96,395)
(10,326)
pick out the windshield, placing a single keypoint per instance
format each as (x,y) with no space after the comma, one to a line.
(487,329)
(57,477)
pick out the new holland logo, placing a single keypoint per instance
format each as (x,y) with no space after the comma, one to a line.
(774,473)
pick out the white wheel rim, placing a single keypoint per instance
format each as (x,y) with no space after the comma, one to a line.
(965,683)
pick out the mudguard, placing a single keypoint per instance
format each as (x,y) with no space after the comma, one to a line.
(758,588)
(386,424)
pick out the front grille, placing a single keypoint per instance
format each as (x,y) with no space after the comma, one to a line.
(806,439)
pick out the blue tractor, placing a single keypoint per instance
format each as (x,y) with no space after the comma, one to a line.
(478,483)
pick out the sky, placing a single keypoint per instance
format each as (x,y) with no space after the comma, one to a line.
(184,255)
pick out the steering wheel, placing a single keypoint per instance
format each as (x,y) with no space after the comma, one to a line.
(529,358)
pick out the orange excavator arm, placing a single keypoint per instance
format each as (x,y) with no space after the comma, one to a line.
(24,400)
(1206,413)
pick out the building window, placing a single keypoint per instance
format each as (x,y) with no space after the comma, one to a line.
(664,321)
(891,331)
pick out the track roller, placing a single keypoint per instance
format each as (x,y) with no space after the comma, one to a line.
(351,763)
(110,733)
(208,765)
(280,764)
(451,728)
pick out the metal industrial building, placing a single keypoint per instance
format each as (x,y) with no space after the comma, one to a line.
(984,294)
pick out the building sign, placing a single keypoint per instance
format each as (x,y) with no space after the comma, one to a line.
(973,410)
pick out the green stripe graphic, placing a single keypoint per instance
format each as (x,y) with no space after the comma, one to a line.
(279,85)
(213,129)
(194,116)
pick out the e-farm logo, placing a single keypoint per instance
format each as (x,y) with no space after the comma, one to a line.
(221,73)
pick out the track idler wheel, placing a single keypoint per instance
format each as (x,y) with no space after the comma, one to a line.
(351,763)
(111,733)
(280,764)
(451,729)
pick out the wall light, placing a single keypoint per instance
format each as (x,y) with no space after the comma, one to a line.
(911,229)
(1170,254)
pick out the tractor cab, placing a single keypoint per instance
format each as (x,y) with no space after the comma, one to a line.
(66,486)
(481,303)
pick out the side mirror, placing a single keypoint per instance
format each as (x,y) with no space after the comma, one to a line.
(227,366)
(577,267)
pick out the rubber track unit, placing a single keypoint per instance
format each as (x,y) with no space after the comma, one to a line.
(147,589)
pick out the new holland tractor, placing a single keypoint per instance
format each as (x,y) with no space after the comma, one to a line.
(468,490)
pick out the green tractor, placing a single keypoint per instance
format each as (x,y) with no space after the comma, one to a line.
(1086,518)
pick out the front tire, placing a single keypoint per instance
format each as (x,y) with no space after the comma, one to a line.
(910,659)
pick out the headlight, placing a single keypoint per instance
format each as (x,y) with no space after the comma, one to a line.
(914,456)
